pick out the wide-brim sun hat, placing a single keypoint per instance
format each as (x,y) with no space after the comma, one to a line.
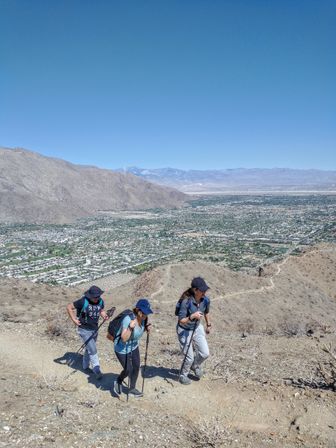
(144,306)
(94,292)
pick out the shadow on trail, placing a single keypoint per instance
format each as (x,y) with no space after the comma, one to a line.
(75,360)
(162,372)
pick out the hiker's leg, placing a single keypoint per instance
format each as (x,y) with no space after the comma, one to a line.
(91,345)
(201,346)
(86,360)
(93,353)
(184,339)
(135,367)
(126,364)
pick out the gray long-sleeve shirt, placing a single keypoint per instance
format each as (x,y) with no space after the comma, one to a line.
(190,306)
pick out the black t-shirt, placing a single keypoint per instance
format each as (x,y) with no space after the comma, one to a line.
(90,316)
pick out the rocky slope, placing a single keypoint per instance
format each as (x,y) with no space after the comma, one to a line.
(264,383)
(34,188)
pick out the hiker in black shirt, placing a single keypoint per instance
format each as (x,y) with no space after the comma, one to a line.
(85,313)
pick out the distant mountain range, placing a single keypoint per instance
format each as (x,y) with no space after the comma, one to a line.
(35,188)
(240,179)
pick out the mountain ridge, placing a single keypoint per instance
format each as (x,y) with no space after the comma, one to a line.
(39,189)
(239,179)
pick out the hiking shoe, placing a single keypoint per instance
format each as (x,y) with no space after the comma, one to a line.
(97,373)
(184,380)
(135,393)
(117,388)
(197,371)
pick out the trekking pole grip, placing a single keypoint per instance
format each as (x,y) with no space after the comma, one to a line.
(111,311)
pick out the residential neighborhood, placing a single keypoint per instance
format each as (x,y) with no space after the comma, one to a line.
(241,232)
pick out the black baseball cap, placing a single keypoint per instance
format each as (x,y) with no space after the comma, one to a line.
(199,283)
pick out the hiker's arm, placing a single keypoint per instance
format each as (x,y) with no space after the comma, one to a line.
(207,320)
(72,314)
(197,315)
(127,332)
(183,314)
(207,317)
(208,323)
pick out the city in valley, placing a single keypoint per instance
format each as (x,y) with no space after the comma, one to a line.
(240,232)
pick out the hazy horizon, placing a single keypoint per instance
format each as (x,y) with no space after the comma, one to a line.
(125,168)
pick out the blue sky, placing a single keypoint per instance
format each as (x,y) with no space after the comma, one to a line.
(185,83)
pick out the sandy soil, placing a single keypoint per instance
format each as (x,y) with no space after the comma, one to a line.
(266,381)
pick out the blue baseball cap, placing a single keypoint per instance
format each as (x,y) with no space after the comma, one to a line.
(144,306)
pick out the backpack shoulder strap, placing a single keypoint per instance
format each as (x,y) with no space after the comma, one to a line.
(85,305)
(188,299)
(119,319)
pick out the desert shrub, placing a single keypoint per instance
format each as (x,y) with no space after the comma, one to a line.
(269,331)
(246,326)
(4,316)
(328,370)
(290,328)
(209,433)
(59,326)
(313,326)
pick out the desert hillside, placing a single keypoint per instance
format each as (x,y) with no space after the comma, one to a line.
(270,379)
(39,189)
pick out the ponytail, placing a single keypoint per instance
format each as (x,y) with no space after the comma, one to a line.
(187,293)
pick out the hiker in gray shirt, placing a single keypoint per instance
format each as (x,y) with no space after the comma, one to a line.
(190,309)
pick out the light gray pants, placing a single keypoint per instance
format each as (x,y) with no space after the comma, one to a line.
(90,355)
(198,351)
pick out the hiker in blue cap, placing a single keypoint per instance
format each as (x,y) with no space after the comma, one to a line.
(126,345)
(85,314)
(190,309)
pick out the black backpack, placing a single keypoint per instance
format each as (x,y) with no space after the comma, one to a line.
(179,302)
(115,324)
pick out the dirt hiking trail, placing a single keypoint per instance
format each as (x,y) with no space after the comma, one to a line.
(263,384)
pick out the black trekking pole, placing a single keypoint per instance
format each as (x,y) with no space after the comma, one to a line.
(145,364)
(130,362)
(109,314)
(185,357)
